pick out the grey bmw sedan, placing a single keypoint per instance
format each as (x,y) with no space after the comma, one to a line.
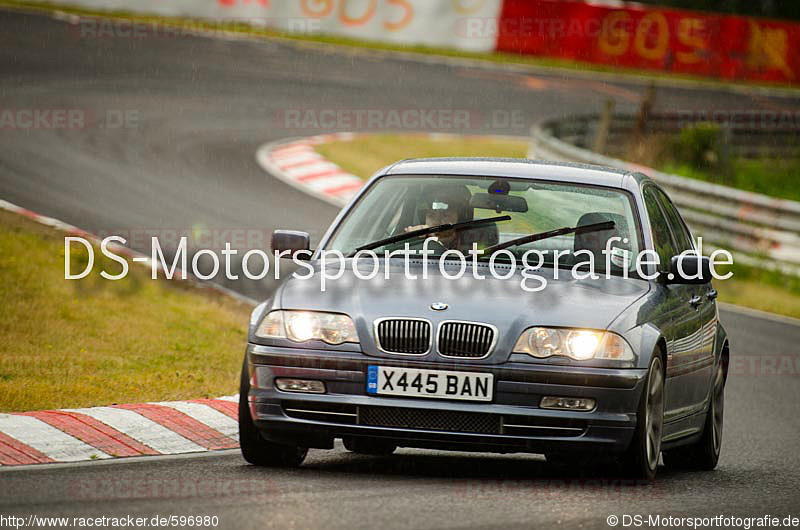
(492,305)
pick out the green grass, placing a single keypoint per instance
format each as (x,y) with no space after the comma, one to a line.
(700,152)
(77,343)
(357,44)
(368,153)
(776,178)
(365,154)
(761,289)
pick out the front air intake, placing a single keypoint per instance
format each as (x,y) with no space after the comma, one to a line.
(404,336)
(465,339)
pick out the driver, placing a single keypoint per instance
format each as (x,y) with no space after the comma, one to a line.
(446,204)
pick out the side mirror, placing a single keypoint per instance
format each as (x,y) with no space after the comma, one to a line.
(689,269)
(291,240)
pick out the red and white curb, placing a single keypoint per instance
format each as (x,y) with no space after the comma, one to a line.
(298,164)
(73,435)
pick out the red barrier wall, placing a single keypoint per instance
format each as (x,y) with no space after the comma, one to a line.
(670,40)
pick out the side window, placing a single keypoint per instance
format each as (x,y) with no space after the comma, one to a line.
(682,236)
(662,238)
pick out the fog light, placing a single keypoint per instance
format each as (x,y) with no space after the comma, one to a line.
(567,403)
(300,385)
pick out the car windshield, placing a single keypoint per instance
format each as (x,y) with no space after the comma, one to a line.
(400,204)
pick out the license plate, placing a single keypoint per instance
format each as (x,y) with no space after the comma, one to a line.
(413,382)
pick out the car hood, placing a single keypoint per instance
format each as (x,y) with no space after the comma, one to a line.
(586,303)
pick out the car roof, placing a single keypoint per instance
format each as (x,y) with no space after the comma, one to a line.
(516,168)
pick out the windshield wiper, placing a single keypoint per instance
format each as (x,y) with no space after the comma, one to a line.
(596,227)
(458,227)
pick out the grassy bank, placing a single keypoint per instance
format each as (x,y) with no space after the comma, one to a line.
(763,290)
(703,152)
(369,153)
(97,342)
(776,178)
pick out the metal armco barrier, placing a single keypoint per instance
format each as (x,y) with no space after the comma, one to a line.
(747,134)
(760,230)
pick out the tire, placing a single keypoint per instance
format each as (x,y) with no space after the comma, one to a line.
(366,446)
(703,455)
(255,449)
(641,459)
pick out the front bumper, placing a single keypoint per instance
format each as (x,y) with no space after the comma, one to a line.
(512,422)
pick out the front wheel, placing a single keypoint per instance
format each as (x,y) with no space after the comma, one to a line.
(704,454)
(255,449)
(641,458)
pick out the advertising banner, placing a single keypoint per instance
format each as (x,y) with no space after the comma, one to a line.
(668,40)
(614,33)
(408,22)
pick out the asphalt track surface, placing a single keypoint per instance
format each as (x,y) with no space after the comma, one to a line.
(204,106)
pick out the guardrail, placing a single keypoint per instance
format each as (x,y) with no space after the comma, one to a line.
(775,138)
(761,231)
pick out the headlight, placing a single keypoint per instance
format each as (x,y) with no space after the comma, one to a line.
(302,326)
(578,344)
